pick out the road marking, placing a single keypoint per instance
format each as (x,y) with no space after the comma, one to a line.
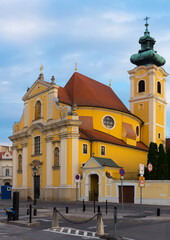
(128,238)
(96,227)
(62,231)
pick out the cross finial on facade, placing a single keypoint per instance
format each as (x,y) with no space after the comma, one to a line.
(76,67)
(41,68)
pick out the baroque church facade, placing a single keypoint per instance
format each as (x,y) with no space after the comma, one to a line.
(84,128)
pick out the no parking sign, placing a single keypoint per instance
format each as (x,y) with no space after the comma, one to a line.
(77,178)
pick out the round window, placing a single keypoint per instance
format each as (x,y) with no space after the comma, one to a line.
(108,122)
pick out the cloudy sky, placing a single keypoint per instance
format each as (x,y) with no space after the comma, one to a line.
(100,35)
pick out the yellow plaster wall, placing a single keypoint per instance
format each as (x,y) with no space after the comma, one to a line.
(161,131)
(98,114)
(142,113)
(38,89)
(160,114)
(19,180)
(56,177)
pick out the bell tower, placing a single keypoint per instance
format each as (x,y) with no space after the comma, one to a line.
(148,85)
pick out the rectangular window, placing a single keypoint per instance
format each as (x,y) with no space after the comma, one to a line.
(159,135)
(141,106)
(7,172)
(103,150)
(37,145)
(84,148)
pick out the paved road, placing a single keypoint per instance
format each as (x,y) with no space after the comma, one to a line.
(131,226)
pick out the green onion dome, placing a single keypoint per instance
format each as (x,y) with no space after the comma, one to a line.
(147,55)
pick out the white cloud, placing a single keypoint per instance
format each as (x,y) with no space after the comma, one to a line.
(118,17)
(19,30)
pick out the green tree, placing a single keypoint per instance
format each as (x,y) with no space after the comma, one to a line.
(152,158)
(162,168)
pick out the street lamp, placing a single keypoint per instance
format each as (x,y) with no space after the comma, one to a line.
(35,169)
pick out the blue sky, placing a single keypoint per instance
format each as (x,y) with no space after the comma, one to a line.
(100,35)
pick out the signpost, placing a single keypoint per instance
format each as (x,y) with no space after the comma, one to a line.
(77,180)
(141,183)
(122,173)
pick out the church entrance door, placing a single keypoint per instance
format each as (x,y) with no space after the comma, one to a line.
(94,187)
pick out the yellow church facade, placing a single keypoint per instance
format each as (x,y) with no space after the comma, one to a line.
(84,128)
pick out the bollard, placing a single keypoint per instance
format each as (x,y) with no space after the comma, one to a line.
(16,205)
(55,221)
(84,208)
(106,206)
(98,209)
(66,209)
(158,212)
(35,211)
(30,212)
(94,205)
(100,226)
(115,220)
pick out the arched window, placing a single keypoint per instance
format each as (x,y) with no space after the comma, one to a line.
(141,86)
(20,162)
(38,110)
(37,145)
(56,156)
(158,87)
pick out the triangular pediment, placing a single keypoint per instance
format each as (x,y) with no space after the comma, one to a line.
(91,163)
(37,88)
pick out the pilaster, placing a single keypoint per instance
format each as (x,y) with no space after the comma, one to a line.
(24,164)
(49,157)
(53,93)
(15,161)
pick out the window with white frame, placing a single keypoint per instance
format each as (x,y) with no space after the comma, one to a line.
(84,148)
(103,150)
(7,172)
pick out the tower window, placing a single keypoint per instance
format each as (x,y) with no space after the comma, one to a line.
(108,122)
(137,131)
(103,150)
(84,148)
(159,87)
(37,145)
(37,110)
(141,86)
(141,106)
(159,136)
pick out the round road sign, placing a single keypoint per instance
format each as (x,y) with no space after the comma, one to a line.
(77,177)
(122,172)
(150,167)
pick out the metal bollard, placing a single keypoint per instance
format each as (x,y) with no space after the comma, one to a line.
(98,209)
(55,221)
(66,209)
(106,206)
(158,212)
(100,226)
(115,220)
(35,211)
(30,216)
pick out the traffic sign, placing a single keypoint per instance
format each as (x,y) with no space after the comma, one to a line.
(77,178)
(122,172)
(142,182)
(141,169)
(150,167)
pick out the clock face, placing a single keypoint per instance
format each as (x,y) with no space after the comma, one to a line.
(63,112)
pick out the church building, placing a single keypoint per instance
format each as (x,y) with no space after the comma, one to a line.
(84,130)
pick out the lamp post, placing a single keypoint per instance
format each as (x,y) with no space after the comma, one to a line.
(35,169)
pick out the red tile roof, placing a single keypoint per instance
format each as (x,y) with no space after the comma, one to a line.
(129,131)
(2,153)
(96,135)
(85,91)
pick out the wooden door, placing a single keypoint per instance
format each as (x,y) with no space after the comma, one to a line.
(128,194)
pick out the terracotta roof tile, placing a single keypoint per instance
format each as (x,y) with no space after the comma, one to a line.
(96,135)
(85,91)
(130,133)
